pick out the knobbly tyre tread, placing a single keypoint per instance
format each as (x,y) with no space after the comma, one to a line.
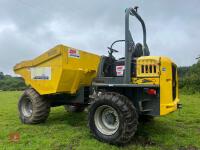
(41,107)
(128,118)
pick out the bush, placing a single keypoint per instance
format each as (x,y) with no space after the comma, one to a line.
(189,78)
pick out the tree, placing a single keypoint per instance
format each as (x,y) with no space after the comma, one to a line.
(1,75)
(9,83)
(190,78)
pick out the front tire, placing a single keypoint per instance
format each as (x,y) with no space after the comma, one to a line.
(33,108)
(113,118)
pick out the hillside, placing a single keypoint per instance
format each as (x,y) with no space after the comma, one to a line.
(9,83)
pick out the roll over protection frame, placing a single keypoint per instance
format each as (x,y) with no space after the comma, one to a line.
(129,43)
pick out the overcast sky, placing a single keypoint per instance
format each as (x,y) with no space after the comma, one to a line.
(30,27)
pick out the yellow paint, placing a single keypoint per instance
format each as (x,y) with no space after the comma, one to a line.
(162,77)
(146,81)
(148,66)
(68,74)
(167,104)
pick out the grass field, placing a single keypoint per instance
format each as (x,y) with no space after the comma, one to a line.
(63,130)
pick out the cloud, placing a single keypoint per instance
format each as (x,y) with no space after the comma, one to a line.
(29,28)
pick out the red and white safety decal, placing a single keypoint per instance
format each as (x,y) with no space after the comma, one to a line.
(73,53)
(120,70)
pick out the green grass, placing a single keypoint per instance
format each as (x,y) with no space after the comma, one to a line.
(63,130)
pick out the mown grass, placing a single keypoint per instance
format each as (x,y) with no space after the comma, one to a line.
(63,130)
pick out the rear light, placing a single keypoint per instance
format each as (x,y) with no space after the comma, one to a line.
(151,92)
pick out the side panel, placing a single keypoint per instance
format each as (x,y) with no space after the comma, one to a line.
(163,72)
(168,103)
(78,70)
(34,70)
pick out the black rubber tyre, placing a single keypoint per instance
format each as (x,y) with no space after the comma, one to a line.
(127,117)
(71,108)
(33,109)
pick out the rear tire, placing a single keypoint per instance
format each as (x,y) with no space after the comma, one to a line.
(113,118)
(33,108)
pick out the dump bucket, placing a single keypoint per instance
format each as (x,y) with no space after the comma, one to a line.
(60,70)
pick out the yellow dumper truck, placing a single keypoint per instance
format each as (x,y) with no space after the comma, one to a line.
(117,91)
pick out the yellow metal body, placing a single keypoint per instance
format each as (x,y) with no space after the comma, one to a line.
(61,69)
(158,71)
(64,70)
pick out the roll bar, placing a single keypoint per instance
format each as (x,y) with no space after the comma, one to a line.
(129,43)
(146,49)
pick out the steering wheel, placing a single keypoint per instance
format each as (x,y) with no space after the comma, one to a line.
(113,50)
